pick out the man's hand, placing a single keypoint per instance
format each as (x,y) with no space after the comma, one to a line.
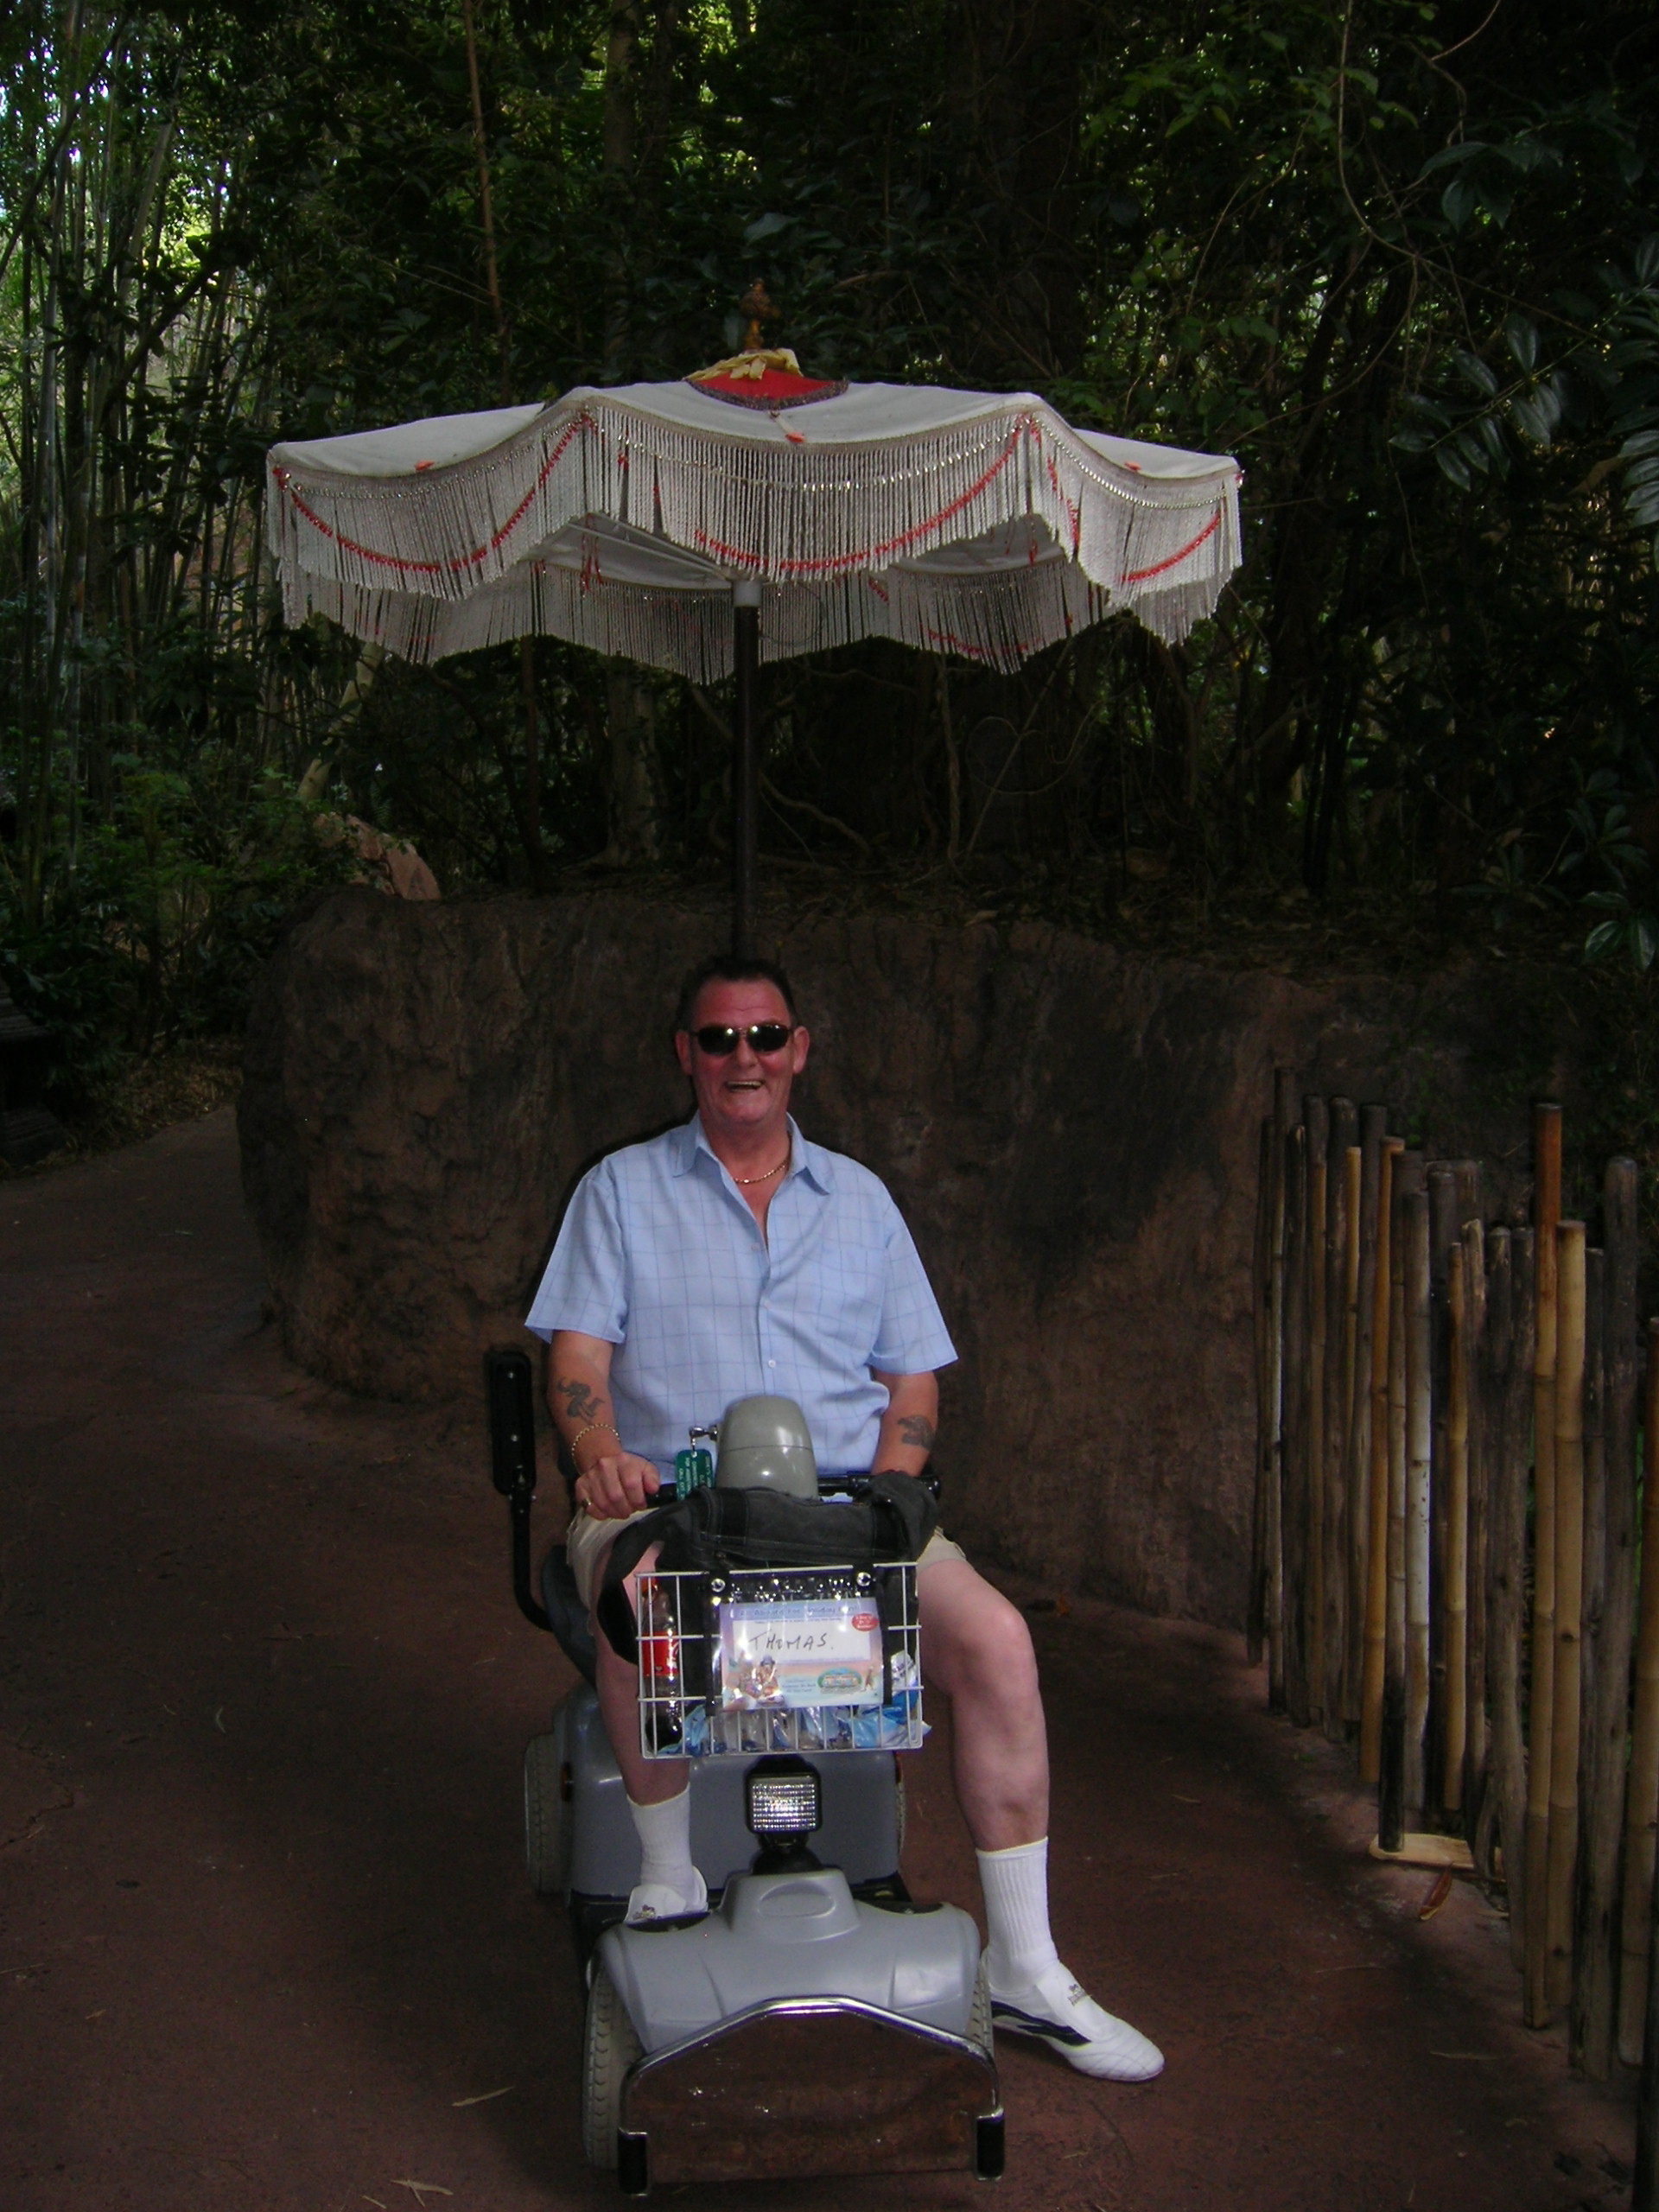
(616,1486)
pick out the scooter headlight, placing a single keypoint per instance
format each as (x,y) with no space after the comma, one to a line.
(782,1796)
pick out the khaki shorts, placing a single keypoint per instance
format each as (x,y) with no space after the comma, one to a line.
(587,1540)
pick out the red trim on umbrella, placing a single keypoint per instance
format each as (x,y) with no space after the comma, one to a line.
(952,643)
(839,562)
(1071,509)
(582,422)
(738,555)
(1139,575)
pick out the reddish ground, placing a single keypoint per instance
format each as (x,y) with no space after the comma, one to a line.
(267,1940)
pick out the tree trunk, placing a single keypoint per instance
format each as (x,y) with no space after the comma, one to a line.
(634,776)
(1017,102)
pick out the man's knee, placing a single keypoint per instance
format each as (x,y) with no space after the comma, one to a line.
(610,1658)
(977,1632)
(1005,1637)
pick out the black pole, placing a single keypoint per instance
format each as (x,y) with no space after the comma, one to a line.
(746,764)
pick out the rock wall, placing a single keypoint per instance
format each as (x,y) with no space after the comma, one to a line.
(1071,1131)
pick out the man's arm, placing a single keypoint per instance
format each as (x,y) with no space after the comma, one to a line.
(909,1424)
(610,1481)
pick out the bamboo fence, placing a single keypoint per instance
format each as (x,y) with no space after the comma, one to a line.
(1455,1540)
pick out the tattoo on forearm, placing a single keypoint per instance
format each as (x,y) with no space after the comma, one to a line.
(580,1403)
(918,1430)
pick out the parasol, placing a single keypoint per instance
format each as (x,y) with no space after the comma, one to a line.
(744,514)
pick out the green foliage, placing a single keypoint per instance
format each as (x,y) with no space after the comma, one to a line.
(156,935)
(1401,258)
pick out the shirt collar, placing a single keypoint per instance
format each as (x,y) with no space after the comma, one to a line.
(805,1157)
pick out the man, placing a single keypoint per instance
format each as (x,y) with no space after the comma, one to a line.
(730,1257)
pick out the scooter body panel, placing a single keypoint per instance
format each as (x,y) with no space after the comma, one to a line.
(794,1935)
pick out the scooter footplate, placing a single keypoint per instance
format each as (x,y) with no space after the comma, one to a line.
(809,2086)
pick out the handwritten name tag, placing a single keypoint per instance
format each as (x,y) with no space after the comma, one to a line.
(803,1652)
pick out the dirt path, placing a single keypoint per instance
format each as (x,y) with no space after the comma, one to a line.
(266,1938)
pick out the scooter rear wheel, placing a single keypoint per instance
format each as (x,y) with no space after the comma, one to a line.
(547,1821)
(610,2047)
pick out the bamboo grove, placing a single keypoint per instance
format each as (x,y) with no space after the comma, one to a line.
(1458,1478)
(1395,256)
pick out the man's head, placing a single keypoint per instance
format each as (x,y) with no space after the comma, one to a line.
(736,1036)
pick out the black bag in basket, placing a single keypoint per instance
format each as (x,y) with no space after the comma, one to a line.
(717,1531)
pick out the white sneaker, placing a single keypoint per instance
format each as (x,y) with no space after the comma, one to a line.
(1058,2012)
(656,1905)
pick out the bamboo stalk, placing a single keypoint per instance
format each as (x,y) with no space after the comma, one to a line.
(1418,1428)
(1341,1289)
(1442,1235)
(1641,1794)
(1562,1859)
(1509,1339)
(1466,1175)
(1475,1583)
(1293,1428)
(1391,1781)
(1316,1125)
(1373,1123)
(1456,1598)
(1607,1713)
(1283,1098)
(1375,1647)
(1546,1210)
(1261,1311)
(1498,1680)
(1590,2025)
(1644,2182)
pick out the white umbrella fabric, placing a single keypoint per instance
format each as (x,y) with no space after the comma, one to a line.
(660,522)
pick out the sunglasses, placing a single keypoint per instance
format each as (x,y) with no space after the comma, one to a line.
(717,1039)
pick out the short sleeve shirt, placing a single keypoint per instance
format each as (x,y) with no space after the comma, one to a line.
(659,1255)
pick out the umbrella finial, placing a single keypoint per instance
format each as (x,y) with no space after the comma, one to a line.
(760,310)
(763,375)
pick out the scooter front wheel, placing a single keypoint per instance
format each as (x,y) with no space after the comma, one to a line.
(610,2047)
(979,2018)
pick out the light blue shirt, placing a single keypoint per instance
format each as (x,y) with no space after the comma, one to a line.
(659,1255)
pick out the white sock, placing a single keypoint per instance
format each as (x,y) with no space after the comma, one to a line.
(664,1834)
(1016,1884)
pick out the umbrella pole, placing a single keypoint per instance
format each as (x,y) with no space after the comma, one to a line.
(746,765)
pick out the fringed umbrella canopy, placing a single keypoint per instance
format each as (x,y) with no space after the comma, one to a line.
(978,523)
(747,514)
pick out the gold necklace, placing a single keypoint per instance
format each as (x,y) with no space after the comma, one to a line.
(746,1182)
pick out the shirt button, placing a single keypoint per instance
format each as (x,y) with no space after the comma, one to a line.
(771,1362)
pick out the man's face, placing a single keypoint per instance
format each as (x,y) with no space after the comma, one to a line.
(742,1092)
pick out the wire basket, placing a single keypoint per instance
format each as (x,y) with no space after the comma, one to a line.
(791,1659)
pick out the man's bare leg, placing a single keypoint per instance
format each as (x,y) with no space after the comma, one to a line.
(658,1790)
(976,1648)
(648,1781)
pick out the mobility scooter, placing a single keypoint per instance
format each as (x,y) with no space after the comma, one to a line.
(817,2020)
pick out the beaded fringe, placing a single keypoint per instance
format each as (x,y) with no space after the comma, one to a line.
(445,561)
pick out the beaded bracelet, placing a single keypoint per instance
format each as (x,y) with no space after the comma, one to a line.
(580,1432)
